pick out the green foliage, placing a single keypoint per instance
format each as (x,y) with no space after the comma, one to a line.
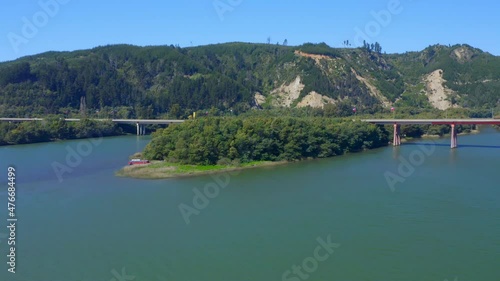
(15,73)
(374,47)
(472,73)
(412,131)
(54,129)
(319,49)
(147,82)
(209,141)
(415,98)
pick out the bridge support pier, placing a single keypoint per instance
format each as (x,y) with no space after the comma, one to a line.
(454,143)
(396,141)
(141,129)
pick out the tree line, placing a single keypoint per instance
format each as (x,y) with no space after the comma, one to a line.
(52,129)
(151,81)
(214,140)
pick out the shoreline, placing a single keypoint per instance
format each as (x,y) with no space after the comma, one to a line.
(70,139)
(157,170)
(426,136)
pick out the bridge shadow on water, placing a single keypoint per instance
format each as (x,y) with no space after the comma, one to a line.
(459,145)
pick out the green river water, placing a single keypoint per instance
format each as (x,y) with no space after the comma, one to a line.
(355,217)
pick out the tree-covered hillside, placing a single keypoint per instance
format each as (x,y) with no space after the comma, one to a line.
(146,82)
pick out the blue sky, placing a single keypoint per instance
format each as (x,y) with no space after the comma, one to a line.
(398,25)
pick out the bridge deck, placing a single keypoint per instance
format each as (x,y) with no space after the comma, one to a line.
(147,121)
(118,121)
(474,121)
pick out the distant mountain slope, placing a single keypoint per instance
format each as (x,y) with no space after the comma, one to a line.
(149,81)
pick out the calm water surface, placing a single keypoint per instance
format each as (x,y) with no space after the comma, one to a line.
(440,221)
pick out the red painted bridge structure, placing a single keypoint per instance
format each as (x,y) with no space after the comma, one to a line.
(452,122)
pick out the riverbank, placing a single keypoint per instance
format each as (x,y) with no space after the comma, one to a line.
(165,170)
(55,129)
(307,198)
(426,136)
(238,138)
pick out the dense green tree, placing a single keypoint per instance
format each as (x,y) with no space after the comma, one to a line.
(53,128)
(210,140)
(126,81)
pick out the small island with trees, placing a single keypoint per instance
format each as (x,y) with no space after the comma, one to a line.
(256,104)
(214,144)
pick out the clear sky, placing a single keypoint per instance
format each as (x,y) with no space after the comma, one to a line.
(30,26)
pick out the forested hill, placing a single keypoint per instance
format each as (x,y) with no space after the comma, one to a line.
(146,82)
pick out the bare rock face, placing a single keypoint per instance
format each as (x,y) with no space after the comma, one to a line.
(462,54)
(316,58)
(286,95)
(259,99)
(436,90)
(315,100)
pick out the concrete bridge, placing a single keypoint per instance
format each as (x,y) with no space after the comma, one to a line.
(452,122)
(140,123)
